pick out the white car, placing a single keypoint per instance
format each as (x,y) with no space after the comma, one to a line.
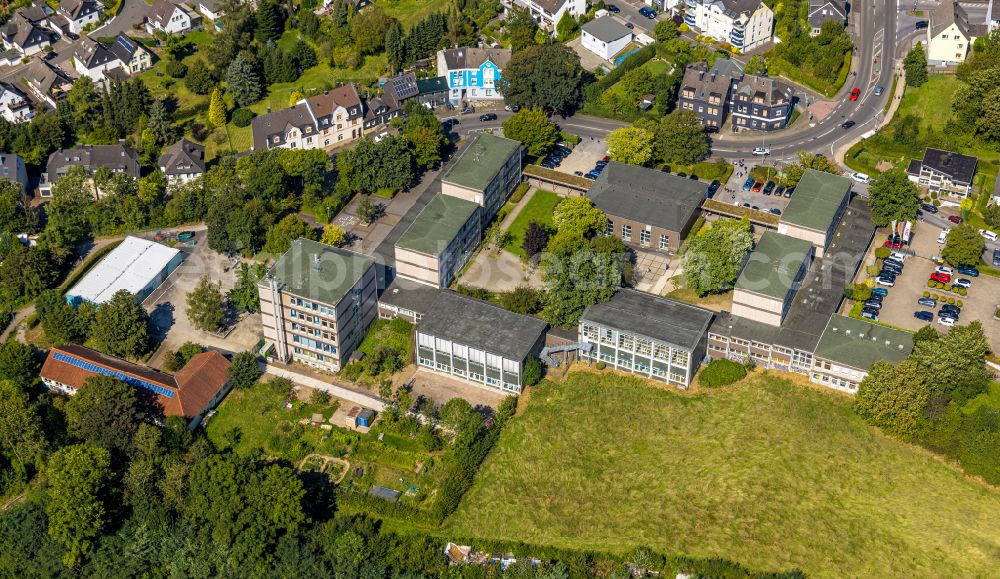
(883,281)
(944,321)
(761,151)
(943,236)
(898,255)
(991,235)
(963,283)
(861,177)
(944,269)
(383,135)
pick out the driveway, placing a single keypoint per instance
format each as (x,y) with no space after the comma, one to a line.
(133,12)
(441,388)
(583,157)
(588,60)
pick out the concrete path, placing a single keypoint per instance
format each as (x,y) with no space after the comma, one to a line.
(366,400)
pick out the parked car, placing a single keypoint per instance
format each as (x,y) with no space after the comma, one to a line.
(855,93)
(629,25)
(950,310)
(612,8)
(468,110)
(755,208)
(869,316)
(779,191)
(601,164)
(996,257)
(665,168)
(969,271)
(924,315)
(512,108)
(647,12)
(944,269)
(886,281)
(955,219)
(769,187)
(682,174)
(748,183)
(761,151)
(185,235)
(713,187)
(928,208)
(892,244)
(860,177)
(937,259)
(592,176)
(788,192)
(847,124)
(893,269)
(757,186)
(920,25)
(606,159)
(880,291)
(578,173)
(941,277)
(898,255)
(775,211)
(876,298)
(944,321)
(873,304)
(894,261)
(929,302)
(487,117)
(990,235)
(548,164)
(943,236)
(962,283)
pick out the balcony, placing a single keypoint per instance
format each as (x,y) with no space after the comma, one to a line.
(691,3)
(689,19)
(737,34)
(737,42)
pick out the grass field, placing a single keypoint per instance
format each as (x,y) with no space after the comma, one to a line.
(770,473)
(539,208)
(409,12)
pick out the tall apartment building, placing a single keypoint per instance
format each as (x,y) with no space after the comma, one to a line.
(745,24)
(485,172)
(705,91)
(317,303)
(761,103)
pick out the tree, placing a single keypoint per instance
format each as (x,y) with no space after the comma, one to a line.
(18,364)
(926,333)
(535,238)
(121,326)
(160,123)
(217,109)
(915,66)
(281,235)
(427,143)
(78,477)
(548,77)
(243,81)
(964,246)
(395,50)
(367,211)
(635,84)
(455,413)
(567,27)
(954,367)
(892,196)
(578,216)
(245,296)
(532,371)
(199,78)
(680,138)
(334,235)
(67,211)
(531,126)
(13,209)
(665,31)
(579,273)
(794,171)
(521,300)
(269,21)
(22,441)
(104,413)
(368,29)
(756,66)
(304,56)
(520,28)
(892,397)
(244,370)
(632,145)
(714,257)
(204,305)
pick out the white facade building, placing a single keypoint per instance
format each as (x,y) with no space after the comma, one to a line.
(745,24)
(605,37)
(548,12)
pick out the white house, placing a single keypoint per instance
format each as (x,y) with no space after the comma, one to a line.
(93,59)
(24,36)
(182,162)
(79,13)
(605,37)
(134,57)
(322,121)
(165,16)
(950,34)
(745,24)
(14,104)
(211,9)
(473,74)
(548,12)
(823,11)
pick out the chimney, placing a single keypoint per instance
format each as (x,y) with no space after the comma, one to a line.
(701,75)
(713,76)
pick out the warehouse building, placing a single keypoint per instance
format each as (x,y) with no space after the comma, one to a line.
(439,241)
(486,173)
(478,342)
(646,335)
(814,211)
(137,266)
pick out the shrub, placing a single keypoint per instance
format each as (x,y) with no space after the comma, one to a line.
(882,252)
(935,297)
(931,284)
(601,365)
(927,294)
(319,397)
(936,203)
(958,303)
(951,301)
(242,117)
(962,291)
(532,371)
(721,372)
(386,192)
(176,69)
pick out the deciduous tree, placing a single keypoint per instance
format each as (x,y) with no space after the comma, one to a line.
(793,172)
(104,413)
(531,126)
(954,367)
(632,145)
(244,370)
(22,440)
(714,257)
(244,295)
(964,246)
(204,305)
(915,65)
(199,78)
(334,235)
(680,138)
(281,235)
(892,397)
(78,478)
(578,216)
(547,77)
(892,196)
(18,364)
(121,326)
(535,238)
(368,29)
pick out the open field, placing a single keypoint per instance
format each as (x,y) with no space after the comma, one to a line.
(768,472)
(539,208)
(409,12)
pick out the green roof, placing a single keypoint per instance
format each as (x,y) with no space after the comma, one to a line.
(437,224)
(859,344)
(481,161)
(320,272)
(772,266)
(817,198)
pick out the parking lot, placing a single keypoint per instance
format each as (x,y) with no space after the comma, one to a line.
(584,156)
(901,302)
(737,196)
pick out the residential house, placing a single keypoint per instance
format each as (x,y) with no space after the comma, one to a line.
(182,162)
(317,302)
(322,121)
(705,91)
(46,84)
(93,59)
(950,34)
(355,5)
(380,109)
(12,168)
(79,13)
(548,12)
(848,348)
(24,36)
(432,92)
(744,24)
(605,37)
(645,207)
(118,158)
(473,74)
(946,172)
(134,57)
(818,204)
(761,103)
(14,104)
(646,335)
(823,11)
(771,277)
(165,16)
(486,172)
(439,241)
(478,342)
(211,9)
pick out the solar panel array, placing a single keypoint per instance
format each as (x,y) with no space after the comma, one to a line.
(404,88)
(126,43)
(130,380)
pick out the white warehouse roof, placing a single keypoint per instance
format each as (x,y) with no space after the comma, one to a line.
(131,266)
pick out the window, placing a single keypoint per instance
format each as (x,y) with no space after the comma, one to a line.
(626,341)
(664,242)
(643,347)
(644,236)
(627,232)
(661,352)
(610,228)
(590,332)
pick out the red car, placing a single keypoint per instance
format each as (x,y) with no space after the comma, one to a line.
(941,277)
(892,245)
(606,159)
(855,94)
(955,219)
(757,186)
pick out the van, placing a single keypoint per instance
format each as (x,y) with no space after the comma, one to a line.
(943,236)
(861,177)
(601,13)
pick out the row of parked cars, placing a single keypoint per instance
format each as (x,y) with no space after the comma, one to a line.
(769,188)
(892,266)
(555,156)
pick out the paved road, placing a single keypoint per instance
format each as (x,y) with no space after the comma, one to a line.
(583,126)
(132,13)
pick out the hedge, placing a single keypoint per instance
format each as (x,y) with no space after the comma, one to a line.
(721,372)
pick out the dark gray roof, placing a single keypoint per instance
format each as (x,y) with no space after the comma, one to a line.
(913,168)
(183,157)
(653,317)
(9,167)
(734,8)
(768,90)
(273,124)
(705,81)
(959,167)
(481,325)
(821,11)
(121,158)
(24,34)
(432,85)
(320,272)
(77,9)
(124,47)
(161,11)
(457,58)
(647,196)
(45,78)
(409,295)
(606,29)
(92,53)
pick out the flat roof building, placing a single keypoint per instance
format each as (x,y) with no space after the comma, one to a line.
(647,335)
(439,241)
(770,278)
(317,303)
(485,172)
(646,207)
(849,347)
(477,341)
(406,299)
(815,209)
(137,266)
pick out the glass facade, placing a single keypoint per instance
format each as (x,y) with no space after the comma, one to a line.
(468,363)
(637,354)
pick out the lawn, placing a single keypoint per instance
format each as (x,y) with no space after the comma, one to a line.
(409,12)
(770,473)
(539,208)
(656,67)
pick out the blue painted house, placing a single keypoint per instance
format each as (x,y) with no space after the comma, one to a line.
(472,73)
